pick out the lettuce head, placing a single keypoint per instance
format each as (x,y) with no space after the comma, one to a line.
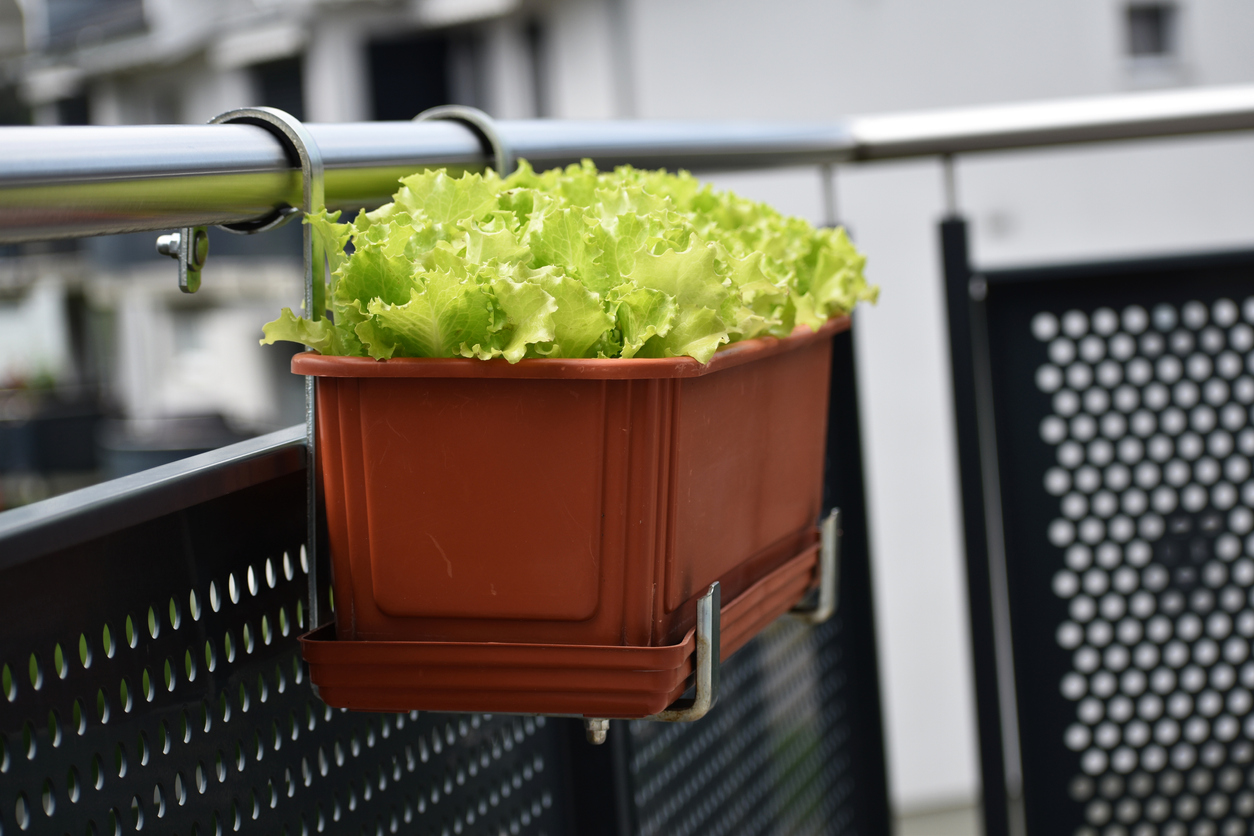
(570,262)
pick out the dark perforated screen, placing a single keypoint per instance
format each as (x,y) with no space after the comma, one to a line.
(773,756)
(152,682)
(1122,396)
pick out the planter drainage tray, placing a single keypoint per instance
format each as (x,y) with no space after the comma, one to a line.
(514,677)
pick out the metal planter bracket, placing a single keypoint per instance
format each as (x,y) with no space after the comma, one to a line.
(707,673)
(483,126)
(705,692)
(708,609)
(829,573)
(301,149)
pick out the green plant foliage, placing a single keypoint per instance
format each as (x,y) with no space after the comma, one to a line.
(571,263)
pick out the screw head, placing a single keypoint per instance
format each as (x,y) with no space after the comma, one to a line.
(596,730)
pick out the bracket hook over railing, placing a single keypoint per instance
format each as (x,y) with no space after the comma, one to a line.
(484,128)
(302,151)
(190,245)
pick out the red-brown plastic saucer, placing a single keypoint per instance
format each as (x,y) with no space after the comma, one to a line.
(500,677)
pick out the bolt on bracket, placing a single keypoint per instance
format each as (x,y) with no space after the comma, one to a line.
(706,674)
(190,246)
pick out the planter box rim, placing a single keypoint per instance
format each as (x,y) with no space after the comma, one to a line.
(314,364)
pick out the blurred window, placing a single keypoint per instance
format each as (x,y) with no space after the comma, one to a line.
(1151,30)
(281,84)
(537,49)
(409,75)
(76,23)
(13,110)
(76,110)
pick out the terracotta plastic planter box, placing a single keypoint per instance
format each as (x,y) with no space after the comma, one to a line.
(504,537)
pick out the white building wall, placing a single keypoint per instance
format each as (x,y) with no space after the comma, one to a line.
(35,335)
(210,93)
(508,71)
(336,78)
(579,71)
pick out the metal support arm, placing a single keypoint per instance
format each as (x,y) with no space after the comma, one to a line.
(705,690)
(705,686)
(829,573)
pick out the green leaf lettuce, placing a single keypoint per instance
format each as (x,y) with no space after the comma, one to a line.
(570,263)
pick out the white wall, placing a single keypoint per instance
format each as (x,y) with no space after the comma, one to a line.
(823,59)
(34,335)
(337,83)
(579,60)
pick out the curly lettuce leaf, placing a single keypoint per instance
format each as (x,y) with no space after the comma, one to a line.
(563,239)
(579,320)
(529,310)
(688,276)
(440,317)
(571,262)
(696,332)
(641,314)
(445,200)
(323,335)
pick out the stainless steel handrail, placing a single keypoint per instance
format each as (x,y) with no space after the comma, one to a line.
(1061,122)
(69,182)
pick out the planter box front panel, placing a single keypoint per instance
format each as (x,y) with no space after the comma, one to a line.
(470,470)
(581,475)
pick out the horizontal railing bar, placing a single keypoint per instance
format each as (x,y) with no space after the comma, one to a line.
(66,182)
(76,517)
(1061,122)
(69,182)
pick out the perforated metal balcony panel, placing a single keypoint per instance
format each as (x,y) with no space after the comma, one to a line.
(152,682)
(1120,396)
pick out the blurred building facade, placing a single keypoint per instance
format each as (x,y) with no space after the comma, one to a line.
(165,357)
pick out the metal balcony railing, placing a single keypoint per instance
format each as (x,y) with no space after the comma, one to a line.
(74,181)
